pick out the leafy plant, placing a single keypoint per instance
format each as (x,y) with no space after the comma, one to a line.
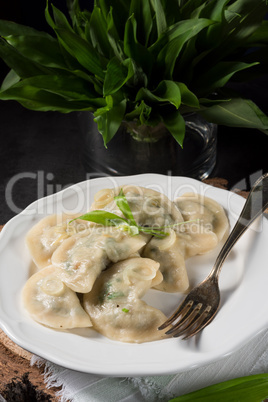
(146,60)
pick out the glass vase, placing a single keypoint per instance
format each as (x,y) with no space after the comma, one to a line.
(139,149)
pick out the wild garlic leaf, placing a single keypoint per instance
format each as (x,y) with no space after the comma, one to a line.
(110,121)
(43,50)
(101,217)
(188,98)
(176,39)
(130,49)
(217,76)
(60,19)
(237,113)
(69,87)
(117,75)
(82,50)
(161,22)
(166,91)
(175,124)
(23,66)
(12,28)
(96,30)
(134,50)
(40,100)
(11,79)
(142,11)
(246,389)
(123,205)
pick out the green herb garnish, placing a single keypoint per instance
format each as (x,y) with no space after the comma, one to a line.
(246,389)
(125,310)
(128,223)
(147,61)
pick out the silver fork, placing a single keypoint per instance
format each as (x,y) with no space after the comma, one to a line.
(202,303)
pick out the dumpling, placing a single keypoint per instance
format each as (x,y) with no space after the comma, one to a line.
(50,302)
(167,253)
(81,258)
(210,213)
(43,239)
(187,240)
(115,306)
(149,207)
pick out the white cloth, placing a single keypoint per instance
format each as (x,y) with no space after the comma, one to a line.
(80,387)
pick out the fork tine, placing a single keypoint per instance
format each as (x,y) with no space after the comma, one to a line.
(205,321)
(196,324)
(183,309)
(185,322)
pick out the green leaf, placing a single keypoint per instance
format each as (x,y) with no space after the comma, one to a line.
(74,10)
(246,389)
(97,28)
(170,44)
(218,75)
(189,7)
(23,66)
(160,16)
(70,87)
(82,51)
(236,32)
(43,50)
(167,91)
(188,98)
(214,10)
(38,99)
(60,19)
(117,75)
(124,207)
(141,111)
(142,12)
(134,50)
(259,37)
(121,14)
(102,218)
(11,28)
(175,124)
(237,113)
(109,120)
(11,79)
(113,37)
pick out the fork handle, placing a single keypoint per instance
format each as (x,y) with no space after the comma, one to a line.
(255,205)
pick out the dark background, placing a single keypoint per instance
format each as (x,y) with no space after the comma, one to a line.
(46,146)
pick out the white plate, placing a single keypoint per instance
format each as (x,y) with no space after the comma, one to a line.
(243,285)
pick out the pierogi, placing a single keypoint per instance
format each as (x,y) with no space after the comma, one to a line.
(50,302)
(115,306)
(81,258)
(149,207)
(209,213)
(96,275)
(46,236)
(205,225)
